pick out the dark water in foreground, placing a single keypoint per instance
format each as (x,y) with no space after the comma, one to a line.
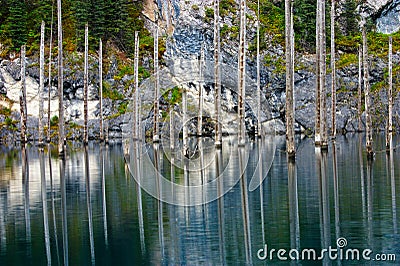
(90,210)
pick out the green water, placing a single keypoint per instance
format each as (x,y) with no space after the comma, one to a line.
(89,209)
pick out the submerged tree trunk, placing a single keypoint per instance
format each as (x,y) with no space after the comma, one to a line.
(185,128)
(49,85)
(290,145)
(369,141)
(156,137)
(390,95)
(359,105)
(60,83)
(242,75)
(137,92)
(101,89)
(22,96)
(323,116)
(318,76)
(258,73)
(41,84)
(85,88)
(217,76)
(201,100)
(333,68)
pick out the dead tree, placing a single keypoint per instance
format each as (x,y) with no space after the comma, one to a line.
(41,84)
(323,116)
(156,137)
(49,85)
(360,78)
(137,92)
(217,75)
(369,140)
(258,73)
(289,43)
(390,95)
(318,77)
(333,68)
(242,75)
(60,83)
(85,88)
(22,96)
(101,89)
(201,100)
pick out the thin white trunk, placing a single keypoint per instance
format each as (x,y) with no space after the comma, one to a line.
(22,96)
(41,83)
(359,105)
(85,88)
(101,89)
(137,92)
(217,76)
(185,129)
(156,137)
(60,83)
(318,79)
(242,75)
(49,86)
(390,94)
(323,117)
(369,141)
(259,133)
(333,67)
(201,100)
(289,50)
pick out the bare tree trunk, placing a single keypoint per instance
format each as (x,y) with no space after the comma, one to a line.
(359,105)
(369,141)
(333,67)
(22,97)
(217,76)
(323,117)
(289,43)
(185,129)
(101,89)
(49,86)
(85,88)
(41,84)
(156,137)
(242,75)
(258,73)
(318,76)
(390,94)
(60,84)
(137,92)
(201,100)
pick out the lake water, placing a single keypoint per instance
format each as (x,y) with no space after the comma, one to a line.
(89,208)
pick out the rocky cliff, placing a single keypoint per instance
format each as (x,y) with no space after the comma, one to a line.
(188,26)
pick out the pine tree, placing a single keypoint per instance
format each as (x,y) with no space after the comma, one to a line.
(350,19)
(17,23)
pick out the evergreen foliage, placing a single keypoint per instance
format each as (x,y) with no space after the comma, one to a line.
(114,21)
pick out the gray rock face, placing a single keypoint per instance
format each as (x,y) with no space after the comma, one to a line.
(389,20)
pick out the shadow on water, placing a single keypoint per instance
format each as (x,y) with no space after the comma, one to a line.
(90,209)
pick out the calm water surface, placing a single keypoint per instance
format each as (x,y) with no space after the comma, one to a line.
(89,209)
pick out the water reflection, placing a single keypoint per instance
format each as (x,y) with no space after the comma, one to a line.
(245,207)
(64,211)
(53,206)
(103,194)
(44,206)
(88,208)
(89,205)
(293,205)
(325,219)
(25,183)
